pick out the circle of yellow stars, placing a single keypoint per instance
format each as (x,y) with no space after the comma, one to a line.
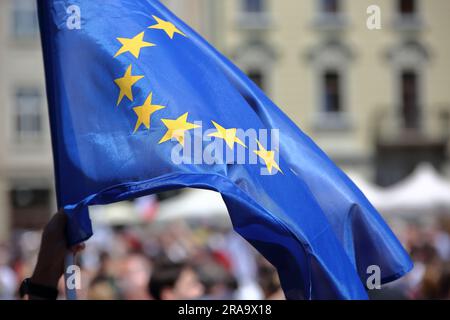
(176,128)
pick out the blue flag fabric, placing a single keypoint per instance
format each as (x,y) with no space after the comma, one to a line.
(129,85)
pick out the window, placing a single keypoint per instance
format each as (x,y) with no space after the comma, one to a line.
(407,7)
(331,61)
(254,6)
(25,20)
(253,15)
(408,16)
(331,91)
(28,117)
(330,6)
(330,16)
(257,77)
(410,105)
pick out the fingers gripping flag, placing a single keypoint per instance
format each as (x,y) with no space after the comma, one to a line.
(128,83)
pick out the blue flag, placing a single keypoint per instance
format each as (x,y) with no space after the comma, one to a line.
(139,103)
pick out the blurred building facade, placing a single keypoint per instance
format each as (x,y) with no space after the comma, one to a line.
(26,183)
(377,101)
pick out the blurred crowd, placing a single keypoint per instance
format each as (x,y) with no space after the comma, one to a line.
(429,248)
(178,260)
(181,260)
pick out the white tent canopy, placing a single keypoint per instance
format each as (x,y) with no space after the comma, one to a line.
(121,213)
(425,189)
(374,194)
(193,203)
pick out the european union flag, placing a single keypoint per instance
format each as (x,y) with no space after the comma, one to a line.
(139,103)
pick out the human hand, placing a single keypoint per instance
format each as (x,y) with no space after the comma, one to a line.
(50,264)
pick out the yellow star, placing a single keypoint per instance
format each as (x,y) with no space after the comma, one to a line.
(145,112)
(167,26)
(133,45)
(125,84)
(268,157)
(177,128)
(229,135)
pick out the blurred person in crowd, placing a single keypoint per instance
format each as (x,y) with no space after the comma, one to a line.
(445,283)
(103,285)
(8,279)
(269,282)
(102,289)
(244,265)
(174,281)
(429,277)
(431,285)
(441,239)
(134,277)
(219,283)
(177,242)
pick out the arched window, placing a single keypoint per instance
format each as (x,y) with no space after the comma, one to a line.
(28,115)
(254,6)
(407,7)
(331,61)
(257,60)
(408,61)
(331,91)
(410,98)
(330,6)
(25,19)
(258,77)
